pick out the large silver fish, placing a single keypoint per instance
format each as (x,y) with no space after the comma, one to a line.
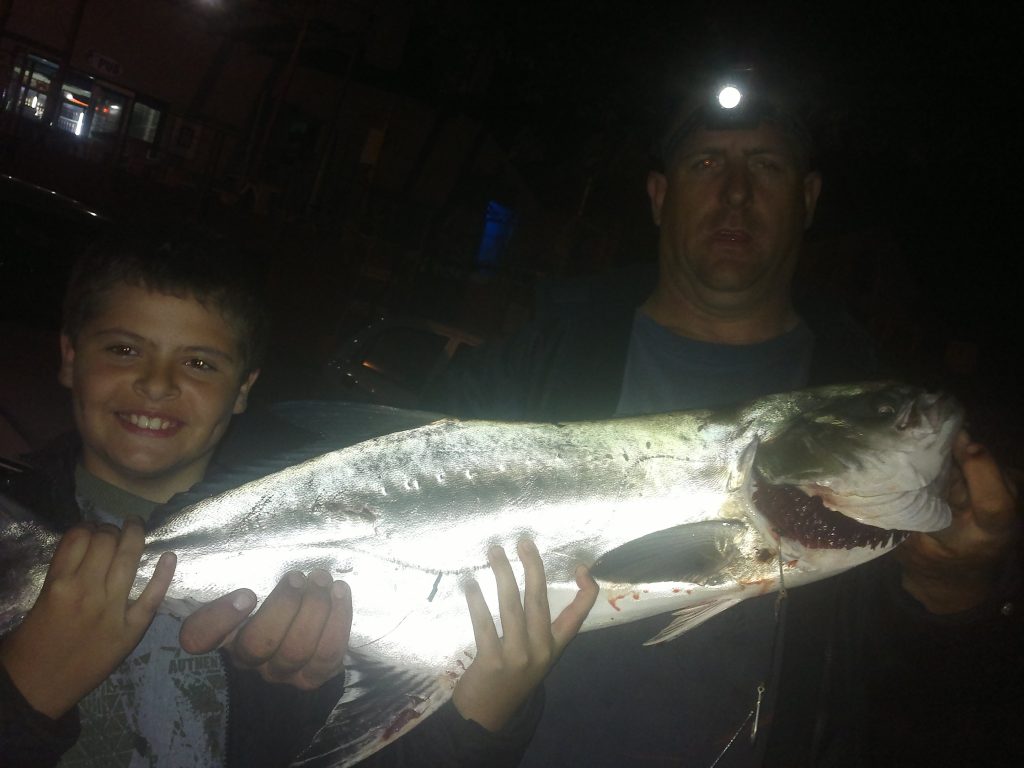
(683,513)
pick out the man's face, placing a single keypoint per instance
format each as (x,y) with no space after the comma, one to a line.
(732,210)
(154,381)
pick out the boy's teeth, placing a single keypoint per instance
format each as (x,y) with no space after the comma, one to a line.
(148,423)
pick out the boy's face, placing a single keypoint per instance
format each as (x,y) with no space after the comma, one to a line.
(154,382)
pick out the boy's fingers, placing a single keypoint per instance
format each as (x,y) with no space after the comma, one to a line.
(259,640)
(567,625)
(125,562)
(212,624)
(143,609)
(102,546)
(510,606)
(484,632)
(330,651)
(70,551)
(535,599)
(302,634)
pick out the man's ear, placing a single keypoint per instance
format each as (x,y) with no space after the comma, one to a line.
(812,188)
(242,399)
(657,183)
(67,360)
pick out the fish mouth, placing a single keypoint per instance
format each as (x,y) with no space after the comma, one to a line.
(795,515)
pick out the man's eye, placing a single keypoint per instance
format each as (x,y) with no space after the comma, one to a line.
(766,164)
(122,350)
(704,164)
(200,365)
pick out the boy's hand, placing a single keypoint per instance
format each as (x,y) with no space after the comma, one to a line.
(298,636)
(955,569)
(508,668)
(83,626)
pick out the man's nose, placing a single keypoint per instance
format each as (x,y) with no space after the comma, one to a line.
(736,184)
(157,380)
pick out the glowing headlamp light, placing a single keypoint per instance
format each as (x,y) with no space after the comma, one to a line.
(739,100)
(729,97)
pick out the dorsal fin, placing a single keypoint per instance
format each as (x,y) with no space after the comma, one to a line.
(290,433)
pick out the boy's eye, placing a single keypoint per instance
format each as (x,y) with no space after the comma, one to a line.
(122,350)
(704,164)
(200,365)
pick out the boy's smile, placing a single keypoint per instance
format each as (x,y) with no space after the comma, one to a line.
(155,380)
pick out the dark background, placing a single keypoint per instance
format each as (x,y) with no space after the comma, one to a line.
(921,151)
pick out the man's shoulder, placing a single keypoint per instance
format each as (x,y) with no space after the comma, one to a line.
(623,288)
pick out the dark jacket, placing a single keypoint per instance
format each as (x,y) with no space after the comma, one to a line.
(567,363)
(268,725)
(856,672)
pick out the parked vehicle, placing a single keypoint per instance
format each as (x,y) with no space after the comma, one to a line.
(393,359)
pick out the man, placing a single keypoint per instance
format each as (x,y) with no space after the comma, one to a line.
(764,683)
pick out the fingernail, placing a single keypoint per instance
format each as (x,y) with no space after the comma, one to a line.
(244,602)
(320,578)
(296,580)
(339,590)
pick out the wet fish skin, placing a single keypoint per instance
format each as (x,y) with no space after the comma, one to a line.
(662,508)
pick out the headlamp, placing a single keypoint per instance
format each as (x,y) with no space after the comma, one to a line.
(738,99)
(729,97)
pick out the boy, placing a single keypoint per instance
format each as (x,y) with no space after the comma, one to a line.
(160,348)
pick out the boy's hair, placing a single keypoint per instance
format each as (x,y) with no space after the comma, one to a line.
(186,265)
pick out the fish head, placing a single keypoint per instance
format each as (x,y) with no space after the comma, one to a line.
(878,455)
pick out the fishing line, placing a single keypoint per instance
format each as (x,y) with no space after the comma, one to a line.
(773,668)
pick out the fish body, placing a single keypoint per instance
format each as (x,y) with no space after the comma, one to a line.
(684,513)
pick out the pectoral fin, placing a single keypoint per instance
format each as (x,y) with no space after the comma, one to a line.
(694,553)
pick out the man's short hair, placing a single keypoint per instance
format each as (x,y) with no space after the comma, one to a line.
(770,94)
(191,264)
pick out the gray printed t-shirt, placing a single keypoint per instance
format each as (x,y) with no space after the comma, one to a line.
(162,707)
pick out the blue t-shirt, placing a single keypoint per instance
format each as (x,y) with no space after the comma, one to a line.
(669,372)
